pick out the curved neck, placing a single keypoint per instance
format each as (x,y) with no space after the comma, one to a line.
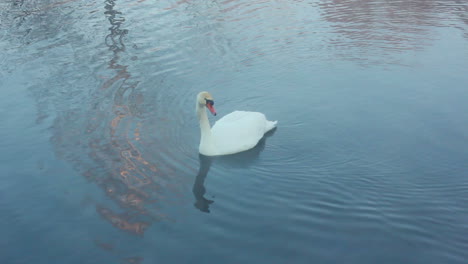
(205,127)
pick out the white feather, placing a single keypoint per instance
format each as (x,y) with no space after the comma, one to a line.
(236,132)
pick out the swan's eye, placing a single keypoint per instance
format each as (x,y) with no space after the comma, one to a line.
(210,102)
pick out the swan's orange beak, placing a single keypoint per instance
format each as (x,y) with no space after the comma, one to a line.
(209,105)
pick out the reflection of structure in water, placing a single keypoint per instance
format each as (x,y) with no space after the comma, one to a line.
(92,130)
(133,260)
(128,179)
(104,138)
(122,221)
(386,27)
(103,245)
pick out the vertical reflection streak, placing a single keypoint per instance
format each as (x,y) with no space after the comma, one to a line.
(130,181)
(201,203)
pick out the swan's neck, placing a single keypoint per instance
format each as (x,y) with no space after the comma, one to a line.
(206,143)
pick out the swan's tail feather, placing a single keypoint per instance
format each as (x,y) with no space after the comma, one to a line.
(270,125)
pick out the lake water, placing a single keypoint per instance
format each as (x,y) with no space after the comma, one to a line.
(99,137)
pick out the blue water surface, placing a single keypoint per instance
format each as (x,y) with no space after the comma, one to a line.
(99,137)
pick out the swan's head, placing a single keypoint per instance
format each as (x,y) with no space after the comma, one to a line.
(205,99)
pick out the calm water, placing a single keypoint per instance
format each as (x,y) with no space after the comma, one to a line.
(99,138)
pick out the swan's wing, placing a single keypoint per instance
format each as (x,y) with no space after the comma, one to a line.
(239,131)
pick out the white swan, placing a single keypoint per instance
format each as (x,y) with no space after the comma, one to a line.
(235,132)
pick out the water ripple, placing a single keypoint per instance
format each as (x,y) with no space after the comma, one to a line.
(359,161)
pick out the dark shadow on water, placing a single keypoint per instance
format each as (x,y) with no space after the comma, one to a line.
(201,203)
(242,159)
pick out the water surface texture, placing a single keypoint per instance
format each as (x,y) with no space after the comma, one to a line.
(99,138)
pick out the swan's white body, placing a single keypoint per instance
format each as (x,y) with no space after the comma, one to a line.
(235,132)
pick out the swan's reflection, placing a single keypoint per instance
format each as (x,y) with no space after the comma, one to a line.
(199,190)
(243,159)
